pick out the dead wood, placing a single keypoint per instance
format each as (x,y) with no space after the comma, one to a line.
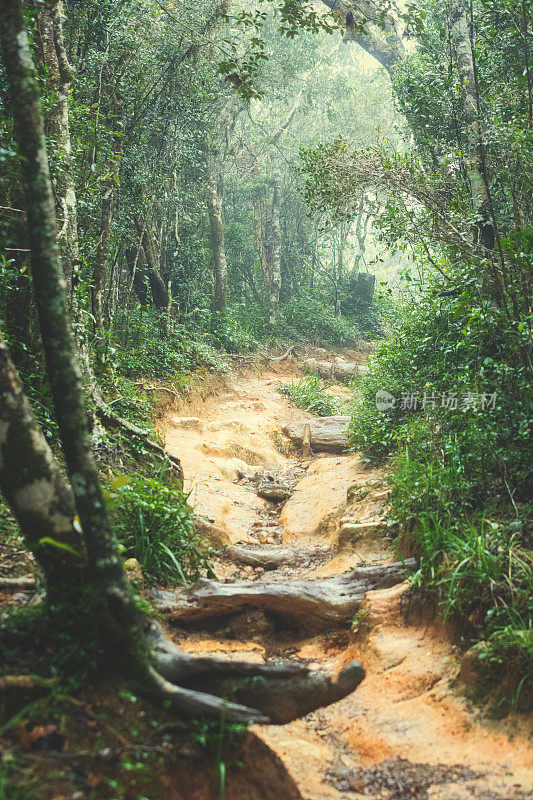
(332,370)
(312,605)
(328,434)
(284,356)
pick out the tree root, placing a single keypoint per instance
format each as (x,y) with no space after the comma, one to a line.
(12,584)
(270,557)
(308,605)
(190,704)
(112,420)
(281,692)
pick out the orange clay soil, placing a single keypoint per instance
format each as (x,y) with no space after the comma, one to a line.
(408,731)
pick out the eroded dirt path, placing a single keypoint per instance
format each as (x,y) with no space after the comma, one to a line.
(408,731)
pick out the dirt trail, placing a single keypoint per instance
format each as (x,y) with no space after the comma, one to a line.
(408,731)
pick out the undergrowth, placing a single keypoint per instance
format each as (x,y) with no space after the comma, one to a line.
(310,393)
(456,426)
(154,524)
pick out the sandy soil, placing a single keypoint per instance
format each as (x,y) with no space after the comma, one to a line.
(408,731)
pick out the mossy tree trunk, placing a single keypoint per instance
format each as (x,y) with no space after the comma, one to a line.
(104,568)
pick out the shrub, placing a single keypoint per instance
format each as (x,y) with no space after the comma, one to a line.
(144,349)
(481,573)
(307,319)
(309,393)
(154,525)
(453,466)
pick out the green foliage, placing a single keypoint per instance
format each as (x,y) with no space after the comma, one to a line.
(153,524)
(306,319)
(483,573)
(143,348)
(309,393)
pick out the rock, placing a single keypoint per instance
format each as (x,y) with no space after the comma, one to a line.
(351,531)
(328,434)
(209,534)
(275,492)
(470,671)
(134,573)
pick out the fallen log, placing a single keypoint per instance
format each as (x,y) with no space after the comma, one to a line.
(339,370)
(282,692)
(308,605)
(270,557)
(328,434)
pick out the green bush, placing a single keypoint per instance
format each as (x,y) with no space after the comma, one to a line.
(146,349)
(154,525)
(483,574)
(455,466)
(309,393)
(307,319)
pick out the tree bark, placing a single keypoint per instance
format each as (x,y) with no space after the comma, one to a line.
(313,605)
(59,74)
(465,67)
(216,226)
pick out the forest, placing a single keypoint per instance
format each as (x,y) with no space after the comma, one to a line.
(266,525)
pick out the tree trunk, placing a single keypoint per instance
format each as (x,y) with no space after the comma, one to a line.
(216,225)
(465,66)
(59,74)
(103,563)
(137,275)
(33,486)
(275,251)
(384,44)
(18,312)
(157,285)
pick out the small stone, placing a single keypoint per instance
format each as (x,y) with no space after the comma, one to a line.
(275,492)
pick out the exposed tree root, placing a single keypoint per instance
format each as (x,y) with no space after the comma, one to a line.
(258,685)
(12,584)
(270,557)
(112,420)
(284,356)
(309,605)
